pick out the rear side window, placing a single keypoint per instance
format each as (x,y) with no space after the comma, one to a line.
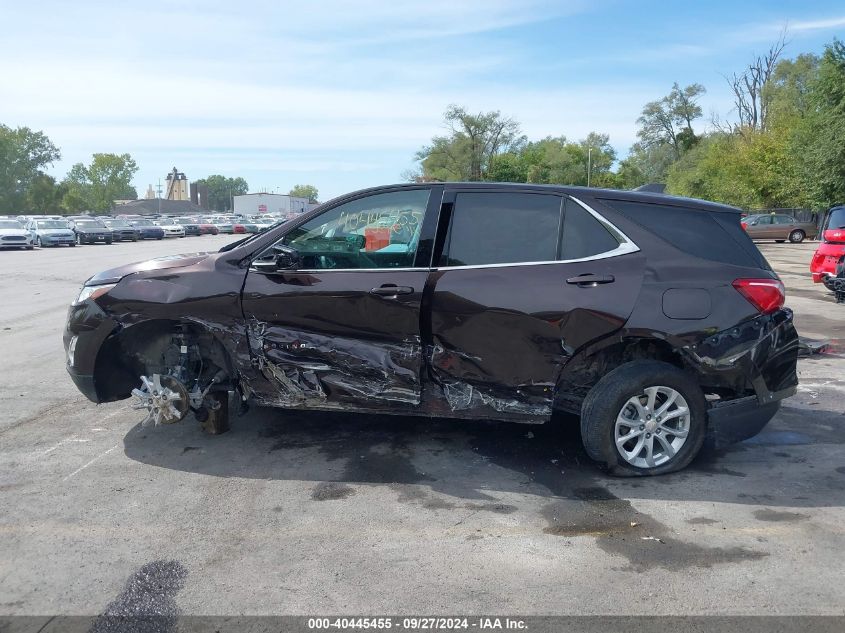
(502,228)
(584,235)
(710,235)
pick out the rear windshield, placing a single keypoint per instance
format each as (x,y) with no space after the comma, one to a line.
(836,219)
(707,234)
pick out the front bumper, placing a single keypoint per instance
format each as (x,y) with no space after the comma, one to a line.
(52,240)
(96,237)
(86,329)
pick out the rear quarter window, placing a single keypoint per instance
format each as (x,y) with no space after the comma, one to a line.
(706,234)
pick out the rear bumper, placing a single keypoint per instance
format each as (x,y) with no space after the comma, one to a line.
(761,354)
(825,259)
(737,420)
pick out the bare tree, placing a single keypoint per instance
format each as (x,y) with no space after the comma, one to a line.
(750,97)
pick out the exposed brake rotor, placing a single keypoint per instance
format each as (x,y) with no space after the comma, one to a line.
(164,398)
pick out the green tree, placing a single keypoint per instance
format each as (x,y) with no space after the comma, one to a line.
(645,165)
(44,195)
(818,145)
(554,160)
(95,187)
(669,120)
(305,191)
(221,190)
(23,156)
(467,151)
(788,91)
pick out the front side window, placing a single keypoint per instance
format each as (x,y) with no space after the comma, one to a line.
(502,228)
(784,219)
(378,231)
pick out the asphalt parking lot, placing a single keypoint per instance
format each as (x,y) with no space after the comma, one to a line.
(310,514)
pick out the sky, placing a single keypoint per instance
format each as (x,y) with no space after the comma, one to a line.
(342,94)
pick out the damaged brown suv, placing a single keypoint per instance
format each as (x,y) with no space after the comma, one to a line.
(654,318)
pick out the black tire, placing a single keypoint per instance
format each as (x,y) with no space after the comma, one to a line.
(779,241)
(160,238)
(72,244)
(797,236)
(609,396)
(109,241)
(29,248)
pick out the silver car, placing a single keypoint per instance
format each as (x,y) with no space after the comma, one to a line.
(50,233)
(13,235)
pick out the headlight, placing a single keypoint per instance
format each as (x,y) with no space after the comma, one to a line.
(92,292)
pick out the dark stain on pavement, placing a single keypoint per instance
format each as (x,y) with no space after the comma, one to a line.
(701,521)
(423,498)
(778,516)
(147,602)
(620,530)
(331,491)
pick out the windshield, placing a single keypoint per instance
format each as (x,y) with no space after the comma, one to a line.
(116,223)
(9,224)
(52,224)
(165,222)
(142,223)
(836,220)
(184,221)
(89,224)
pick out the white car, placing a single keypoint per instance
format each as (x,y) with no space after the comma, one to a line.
(171,228)
(13,235)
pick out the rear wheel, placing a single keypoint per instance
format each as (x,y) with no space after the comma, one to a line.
(645,417)
(797,236)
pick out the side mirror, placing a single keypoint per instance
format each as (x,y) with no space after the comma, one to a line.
(277,259)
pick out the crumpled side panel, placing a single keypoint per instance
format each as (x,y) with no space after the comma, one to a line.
(313,370)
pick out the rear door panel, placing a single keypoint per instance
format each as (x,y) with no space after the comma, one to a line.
(500,334)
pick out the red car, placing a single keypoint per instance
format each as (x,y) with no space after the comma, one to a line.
(206,228)
(832,247)
(238,228)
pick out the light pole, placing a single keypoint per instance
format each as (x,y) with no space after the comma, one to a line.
(589,163)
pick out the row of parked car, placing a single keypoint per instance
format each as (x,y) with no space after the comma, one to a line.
(54,230)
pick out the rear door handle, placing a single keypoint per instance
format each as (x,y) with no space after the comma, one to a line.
(390,290)
(588,279)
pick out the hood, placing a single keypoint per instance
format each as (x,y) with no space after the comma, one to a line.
(54,231)
(92,229)
(21,232)
(113,275)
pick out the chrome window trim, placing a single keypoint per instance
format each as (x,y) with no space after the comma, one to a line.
(347,270)
(625,247)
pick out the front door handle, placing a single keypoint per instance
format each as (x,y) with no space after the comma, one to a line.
(391,290)
(588,280)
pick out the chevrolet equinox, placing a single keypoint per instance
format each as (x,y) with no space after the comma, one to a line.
(654,318)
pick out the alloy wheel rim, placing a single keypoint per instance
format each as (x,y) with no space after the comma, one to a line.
(652,427)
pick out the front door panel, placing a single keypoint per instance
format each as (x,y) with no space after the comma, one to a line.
(333,307)
(322,339)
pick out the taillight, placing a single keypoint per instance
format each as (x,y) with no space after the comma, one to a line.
(744,226)
(834,236)
(767,295)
